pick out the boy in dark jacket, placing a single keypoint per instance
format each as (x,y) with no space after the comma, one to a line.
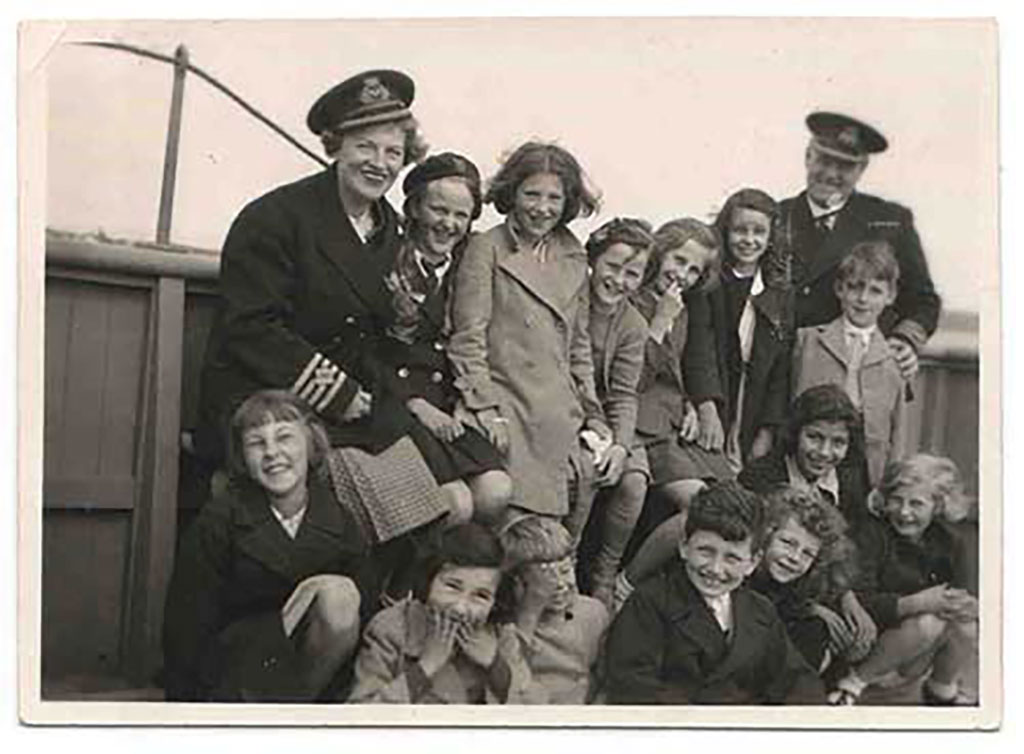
(693,635)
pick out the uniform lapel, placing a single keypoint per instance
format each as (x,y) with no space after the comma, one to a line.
(362,265)
(552,283)
(837,243)
(833,338)
(327,528)
(261,536)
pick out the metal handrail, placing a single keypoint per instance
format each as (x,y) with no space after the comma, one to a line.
(223,88)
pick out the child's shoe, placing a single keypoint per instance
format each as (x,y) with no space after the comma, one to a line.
(847,692)
(938,695)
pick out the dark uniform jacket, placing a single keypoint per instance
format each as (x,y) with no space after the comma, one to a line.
(300,294)
(817,254)
(223,636)
(665,647)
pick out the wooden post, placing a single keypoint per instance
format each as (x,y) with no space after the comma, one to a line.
(163,223)
(155,519)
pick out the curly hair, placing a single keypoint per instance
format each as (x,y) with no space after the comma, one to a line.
(833,570)
(532,158)
(938,473)
(268,406)
(676,233)
(416,147)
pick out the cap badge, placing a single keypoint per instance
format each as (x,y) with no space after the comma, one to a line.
(848,137)
(373,91)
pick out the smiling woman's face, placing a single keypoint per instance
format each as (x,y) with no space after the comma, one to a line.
(369,160)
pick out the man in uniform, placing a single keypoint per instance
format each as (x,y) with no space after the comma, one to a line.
(829,217)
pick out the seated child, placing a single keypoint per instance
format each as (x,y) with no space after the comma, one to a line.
(561,630)
(807,565)
(919,580)
(693,634)
(264,603)
(415,392)
(617,252)
(443,645)
(851,351)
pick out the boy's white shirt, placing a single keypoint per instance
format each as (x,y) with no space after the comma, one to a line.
(721,608)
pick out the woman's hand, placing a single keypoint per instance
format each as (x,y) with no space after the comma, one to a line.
(861,624)
(442,630)
(840,635)
(441,425)
(711,435)
(479,644)
(358,407)
(610,470)
(691,424)
(495,427)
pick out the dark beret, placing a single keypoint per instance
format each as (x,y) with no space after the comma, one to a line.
(444,165)
(845,137)
(365,99)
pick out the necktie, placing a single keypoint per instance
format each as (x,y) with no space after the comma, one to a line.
(856,356)
(824,223)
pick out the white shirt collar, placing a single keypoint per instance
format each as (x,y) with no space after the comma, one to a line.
(828,484)
(819,211)
(439,270)
(864,333)
(721,608)
(291,523)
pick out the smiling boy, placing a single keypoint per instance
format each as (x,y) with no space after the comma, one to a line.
(852,353)
(692,634)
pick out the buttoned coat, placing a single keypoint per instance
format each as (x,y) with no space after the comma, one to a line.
(617,366)
(821,357)
(300,292)
(665,647)
(223,635)
(766,392)
(520,343)
(817,254)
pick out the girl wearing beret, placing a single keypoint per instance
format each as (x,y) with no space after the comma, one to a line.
(520,346)
(415,389)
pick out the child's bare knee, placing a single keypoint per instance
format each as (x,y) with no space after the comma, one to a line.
(460,503)
(965,630)
(337,604)
(634,485)
(927,625)
(492,492)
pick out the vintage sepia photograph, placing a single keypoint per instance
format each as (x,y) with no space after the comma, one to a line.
(510,371)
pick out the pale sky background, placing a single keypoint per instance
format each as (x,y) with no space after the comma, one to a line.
(668,117)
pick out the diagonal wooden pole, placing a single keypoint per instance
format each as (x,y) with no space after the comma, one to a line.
(163,222)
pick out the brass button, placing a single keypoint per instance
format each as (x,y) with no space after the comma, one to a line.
(403,372)
(436,377)
(807,290)
(438,345)
(350,320)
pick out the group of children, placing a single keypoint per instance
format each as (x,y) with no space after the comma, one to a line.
(802,560)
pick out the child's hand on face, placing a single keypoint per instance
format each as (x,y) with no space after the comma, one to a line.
(444,427)
(478,643)
(442,630)
(669,306)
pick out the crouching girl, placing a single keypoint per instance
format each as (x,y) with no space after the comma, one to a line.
(443,644)
(264,603)
(919,581)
